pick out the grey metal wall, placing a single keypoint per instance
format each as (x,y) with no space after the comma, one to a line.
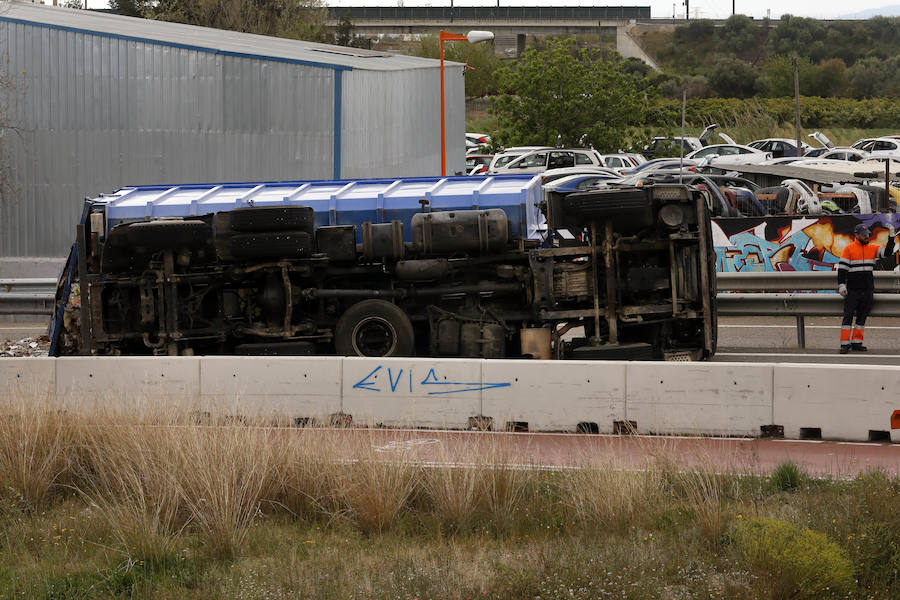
(94,113)
(394,118)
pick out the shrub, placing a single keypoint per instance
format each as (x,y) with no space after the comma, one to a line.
(787,476)
(799,563)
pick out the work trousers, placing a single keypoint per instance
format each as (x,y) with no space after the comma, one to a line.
(857,303)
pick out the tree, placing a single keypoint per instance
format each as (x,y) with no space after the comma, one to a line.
(297,19)
(344,36)
(575,99)
(831,78)
(872,77)
(480,58)
(798,34)
(733,78)
(780,76)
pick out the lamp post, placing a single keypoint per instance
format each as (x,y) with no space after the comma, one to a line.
(473,37)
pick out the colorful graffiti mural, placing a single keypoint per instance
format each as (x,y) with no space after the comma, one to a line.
(795,243)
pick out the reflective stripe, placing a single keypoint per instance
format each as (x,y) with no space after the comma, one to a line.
(860,268)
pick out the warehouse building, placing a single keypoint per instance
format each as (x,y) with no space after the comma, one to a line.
(95,102)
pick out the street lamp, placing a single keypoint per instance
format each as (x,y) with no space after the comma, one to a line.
(472,37)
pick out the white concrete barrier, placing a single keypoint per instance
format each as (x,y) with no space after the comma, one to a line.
(410,392)
(554,395)
(126,382)
(845,403)
(28,378)
(699,398)
(304,389)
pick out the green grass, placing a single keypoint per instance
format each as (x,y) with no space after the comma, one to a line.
(191,512)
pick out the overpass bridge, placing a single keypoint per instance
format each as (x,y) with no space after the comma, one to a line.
(510,24)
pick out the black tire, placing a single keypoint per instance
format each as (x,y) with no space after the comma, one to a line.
(162,235)
(374,328)
(273,218)
(271,245)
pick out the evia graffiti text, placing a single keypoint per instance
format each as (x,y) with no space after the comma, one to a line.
(431,384)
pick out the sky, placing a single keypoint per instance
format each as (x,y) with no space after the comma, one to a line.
(659,9)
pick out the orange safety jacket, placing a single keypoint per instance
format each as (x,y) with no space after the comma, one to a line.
(857,263)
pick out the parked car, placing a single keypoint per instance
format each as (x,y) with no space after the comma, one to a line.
(672,146)
(780,147)
(477,164)
(501,159)
(554,174)
(847,154)
(555,158)
(578,183)
(661,164)
(619,161)
(730,154)
(475,141)
(882,147)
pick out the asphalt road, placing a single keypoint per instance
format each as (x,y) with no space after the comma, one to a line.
(741,339)
(549,450)
(768,339)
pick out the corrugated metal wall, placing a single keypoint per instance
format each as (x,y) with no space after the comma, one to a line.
(95,113)
(394,118)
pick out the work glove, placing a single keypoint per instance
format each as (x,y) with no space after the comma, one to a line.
(842,289)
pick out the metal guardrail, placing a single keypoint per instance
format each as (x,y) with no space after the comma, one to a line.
(27,297)
(737,296)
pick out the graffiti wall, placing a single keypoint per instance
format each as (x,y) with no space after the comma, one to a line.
(792,243)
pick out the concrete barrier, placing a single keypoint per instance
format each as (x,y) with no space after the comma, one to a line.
(28,378)
(412,392)
(128,382)
(699,398)
(850,402)
(303,389)
(554,396)
(845,402)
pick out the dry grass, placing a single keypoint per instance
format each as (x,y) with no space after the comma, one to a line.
(329,514)
(36,442)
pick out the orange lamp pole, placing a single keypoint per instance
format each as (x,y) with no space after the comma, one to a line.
(453,38)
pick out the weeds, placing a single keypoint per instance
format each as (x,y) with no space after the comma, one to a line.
(171,508)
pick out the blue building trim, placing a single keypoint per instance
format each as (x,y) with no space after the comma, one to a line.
(338,103)
(130,38)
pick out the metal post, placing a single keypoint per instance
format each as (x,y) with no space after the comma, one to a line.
(801,331)
(443,132)
(797,99)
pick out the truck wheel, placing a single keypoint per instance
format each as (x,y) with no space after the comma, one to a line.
(161,235)
(271,245)
(273,218)
(374,328)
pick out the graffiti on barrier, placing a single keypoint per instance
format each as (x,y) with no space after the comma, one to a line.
(795,243)
(431,384)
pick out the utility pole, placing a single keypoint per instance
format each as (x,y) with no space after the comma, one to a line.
(687,9)
(797,98)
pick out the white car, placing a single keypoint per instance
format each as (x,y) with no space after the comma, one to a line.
(539,161)
(554,174)
(501,159)
(475,141)
(732,154)
(882,147)
(619,161)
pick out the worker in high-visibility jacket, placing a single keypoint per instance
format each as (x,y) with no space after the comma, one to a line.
(856,283)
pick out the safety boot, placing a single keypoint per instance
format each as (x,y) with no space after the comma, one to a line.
(845,349)
(858,348)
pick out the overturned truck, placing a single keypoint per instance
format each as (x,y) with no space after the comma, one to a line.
(441,267)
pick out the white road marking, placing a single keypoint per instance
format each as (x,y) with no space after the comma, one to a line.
(802,441)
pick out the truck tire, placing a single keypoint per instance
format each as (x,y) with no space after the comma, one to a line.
(271,245)
(273,218)
(164,234)
(374,328)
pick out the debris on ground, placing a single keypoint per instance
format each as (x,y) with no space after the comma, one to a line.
(30,346)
